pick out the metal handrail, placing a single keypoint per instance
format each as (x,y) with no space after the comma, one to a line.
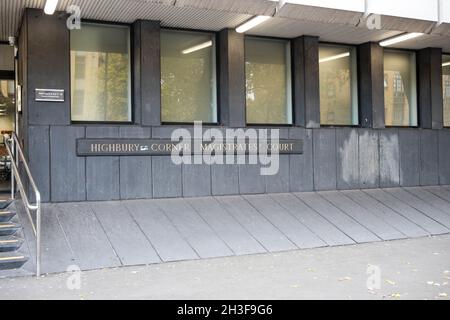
(13,147)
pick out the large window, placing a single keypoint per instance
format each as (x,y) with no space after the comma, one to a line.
(188,77)
(338,85)
(400,93)
(100,73)
(268,81)
(446,87)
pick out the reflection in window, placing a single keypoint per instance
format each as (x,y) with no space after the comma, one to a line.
(446,88)
(7,105)
(338,85)
(188,77)
(400,93)
(100,73)
(268,81)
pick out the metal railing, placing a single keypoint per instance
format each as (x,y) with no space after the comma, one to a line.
(16,154)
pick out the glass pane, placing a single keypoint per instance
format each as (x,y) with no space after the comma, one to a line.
(100,73)
(446,87)
(7,105)
(188,77)
(400,93)
(268,81)
(338,85)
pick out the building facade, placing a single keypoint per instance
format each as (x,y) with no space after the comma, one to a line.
(369,116)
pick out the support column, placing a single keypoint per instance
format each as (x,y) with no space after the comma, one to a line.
(371,85)
(232,99)
(147,73)
(305,66)
(429,88)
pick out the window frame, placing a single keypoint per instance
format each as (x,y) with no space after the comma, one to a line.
(217,74)
(292,83)
(356,72)
(132,121)
(443,116)
(418,125)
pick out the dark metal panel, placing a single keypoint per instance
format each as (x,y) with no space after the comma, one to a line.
(68,172)
(135,172)
(279,182)
(250,179)
(305,66)
(429,88)
(102,173)
(369,159)
(429,151)
(301,236)
(196,180)
(301,177)
(39,159)
(166,178)
(48,66)
(347,148)
(370,85)
(225,179)
(262,230)
(409,142)
(389,158)
(324,159)
(226,227)
(147,72)
(129,242)
(444,157)
(232,99)
(165,238)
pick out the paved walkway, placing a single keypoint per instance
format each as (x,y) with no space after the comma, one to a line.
(127,233)
(403,269)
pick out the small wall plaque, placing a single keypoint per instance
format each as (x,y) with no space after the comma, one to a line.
(49,95)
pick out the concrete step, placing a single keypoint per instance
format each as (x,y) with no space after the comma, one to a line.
(9,228)
(5,204)
(6,216)
(12,260)
(9,244)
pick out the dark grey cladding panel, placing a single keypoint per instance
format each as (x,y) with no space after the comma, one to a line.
(409,140)
(250,179)
(135,177)
(39,159)
(102,173)
(301,166)
(225,179)
(196,180)
(369,159)
(68,172)
(279,183)
(135,132)
(347,148)
(48,66)
(166,177)
(389,158)
(135,172)
(324,159)
(429,149)
(444,157)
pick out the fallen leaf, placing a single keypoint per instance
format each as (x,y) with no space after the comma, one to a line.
(396,295)
(295,286)
(345,279)
(442,295)
(437,285)
(430,283)
(392,283)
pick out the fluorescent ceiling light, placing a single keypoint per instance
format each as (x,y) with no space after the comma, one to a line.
(198,47)
(251,23)
(446,64)
(50,6)
(339,56)
(401,38)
